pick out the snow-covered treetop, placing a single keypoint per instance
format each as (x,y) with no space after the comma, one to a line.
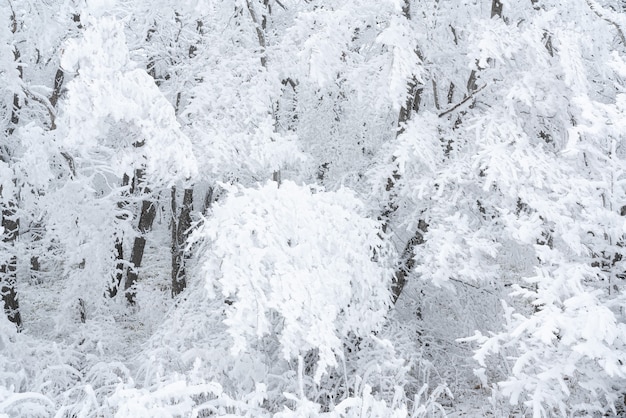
(110,93)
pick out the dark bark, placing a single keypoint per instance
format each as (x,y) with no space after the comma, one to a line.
(466,99)
(148,213)
(146,218)
(407,261)
(8,270)
(119,267)
(118,277)
(15,109)
(58,84)
(472,86)
(471,83)
(9,294)
(151,65)
(451,93)
(181,225)
(177,287)
(35,265)
(208,200)
(411,106)
(496,8)
(260,24)
(277,177)
(132,274)
(10,222)
(415,90)
(82,311)
(17,106)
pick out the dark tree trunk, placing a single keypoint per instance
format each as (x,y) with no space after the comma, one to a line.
(15,109)
(118,277)
(411,107)
(35,236)
(56,91)
(119,267)
(146,218)
(8,276)
(181,224)
(407,261)
(208,200)
(260,26)
(415,90)
(496,8)
(10,222)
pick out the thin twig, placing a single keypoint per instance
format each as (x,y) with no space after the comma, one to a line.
(462,102)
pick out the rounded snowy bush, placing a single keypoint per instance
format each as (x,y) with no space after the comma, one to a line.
(302,264)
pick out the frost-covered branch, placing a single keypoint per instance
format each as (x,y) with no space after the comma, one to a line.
(259,25)
(609,17)
(43,100)
(462,102)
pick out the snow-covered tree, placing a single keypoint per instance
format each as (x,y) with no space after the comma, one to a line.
(125,145)
(303,266)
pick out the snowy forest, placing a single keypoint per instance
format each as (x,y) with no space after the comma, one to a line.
(312,208)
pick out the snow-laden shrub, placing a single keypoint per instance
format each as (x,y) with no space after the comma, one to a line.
(303,265)
(24,361)
(306,266)
(16,398)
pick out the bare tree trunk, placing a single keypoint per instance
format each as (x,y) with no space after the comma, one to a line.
(411,107)
(146,218)
(260,24)
(8,274)
(496,8)
(15,109)
(414,98)
(181,224)
(10,222)
(118,277)
(407,261)
(56,91)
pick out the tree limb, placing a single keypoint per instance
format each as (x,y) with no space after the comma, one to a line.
(45,102)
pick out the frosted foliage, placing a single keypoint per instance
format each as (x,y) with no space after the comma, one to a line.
(6,175)
(109,92)
(9,75)
(311,257)
(406,66)
(230,109)
(485,145)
